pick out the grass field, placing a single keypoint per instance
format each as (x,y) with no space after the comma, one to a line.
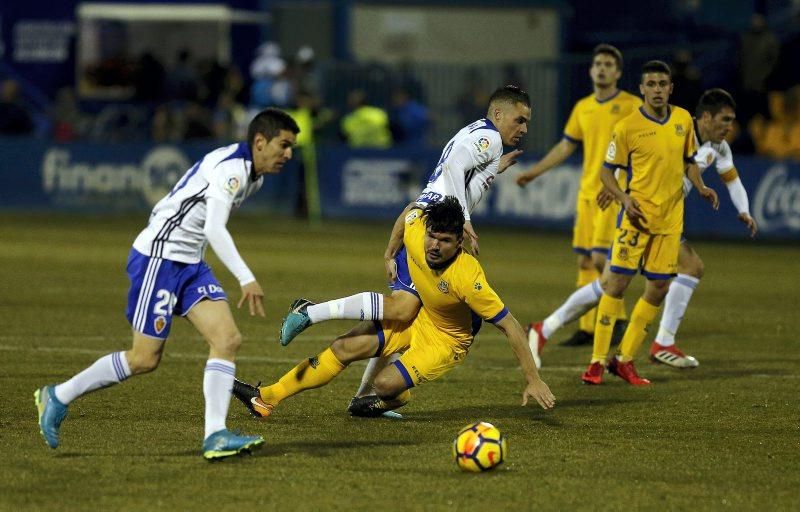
(723,436)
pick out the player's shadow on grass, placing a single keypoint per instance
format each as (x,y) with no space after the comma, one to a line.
(722,370)
(323,448)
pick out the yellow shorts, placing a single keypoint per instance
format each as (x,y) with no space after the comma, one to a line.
(656,256)
(427,355)
(594,228)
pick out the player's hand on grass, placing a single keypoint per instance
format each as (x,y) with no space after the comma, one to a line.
(750,222)
(472,236)
(539,391)
(605,198)
(710,195)
(391,269)
(508,160)
(254,295)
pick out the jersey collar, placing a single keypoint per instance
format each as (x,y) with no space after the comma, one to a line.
(658,121)
(609,98)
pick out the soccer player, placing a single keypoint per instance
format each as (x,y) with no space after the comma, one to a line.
(591,122)
(653,144)
(468,165)
(456,297)
(714,115)
(169,277)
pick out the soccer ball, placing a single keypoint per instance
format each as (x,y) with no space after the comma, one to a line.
(479,447)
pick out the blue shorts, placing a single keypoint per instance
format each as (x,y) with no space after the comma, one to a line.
(161,288)
(403,281)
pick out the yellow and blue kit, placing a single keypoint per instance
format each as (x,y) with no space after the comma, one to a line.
(454,302)
(591,123)
(654,153)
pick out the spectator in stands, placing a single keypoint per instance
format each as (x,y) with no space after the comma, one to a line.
(409,120)
(271,85)
(229,116)
(149,79)
(758,57)
(779,137)
(687,86)
(471,103)
(69,122)
(366,126)
(183,79)
(305,76)
(14,117)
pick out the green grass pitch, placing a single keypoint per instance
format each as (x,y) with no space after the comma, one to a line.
(723,436)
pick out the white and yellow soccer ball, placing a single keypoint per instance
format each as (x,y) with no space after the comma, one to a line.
(479,447)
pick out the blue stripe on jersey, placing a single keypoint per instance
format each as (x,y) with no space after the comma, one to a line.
(242,151)
(157,247)
(499,316)
(572,139)
(488,125)
(404,373)
(186,177)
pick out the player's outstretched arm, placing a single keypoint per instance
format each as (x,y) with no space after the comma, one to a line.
(555,156)
(396,241)
(221,241)
(536,387)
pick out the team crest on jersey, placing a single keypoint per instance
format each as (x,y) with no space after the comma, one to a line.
(478,287)
(443,286)
(679,130)
(159,323)
(622,254)
(612,151)
(482,144)
(605,320)
(232,185)
(615,109)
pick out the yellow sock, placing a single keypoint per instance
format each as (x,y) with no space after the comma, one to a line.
(587,321)
(643,314)
(607,312)
(309,374)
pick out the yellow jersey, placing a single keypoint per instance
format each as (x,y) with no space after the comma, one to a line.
(655,153)
(455,298)
(591,122)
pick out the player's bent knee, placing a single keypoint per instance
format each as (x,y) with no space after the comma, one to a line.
(389,387)
(140,362)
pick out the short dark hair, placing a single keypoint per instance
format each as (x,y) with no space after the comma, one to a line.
(445,216)
(607,49)
(656,66)
(714,100)
(510,94)
(269,123)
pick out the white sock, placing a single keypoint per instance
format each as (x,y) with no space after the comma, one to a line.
(361,306)
(217,386)
(582,300)
(374,366)
(106,371)
(680,293)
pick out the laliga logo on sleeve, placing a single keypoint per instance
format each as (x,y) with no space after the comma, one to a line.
(232,185)
(612,151)
(482,144)
(777,201)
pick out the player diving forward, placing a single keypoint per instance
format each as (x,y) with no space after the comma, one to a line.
(169,277)
(468,165)
(456,297)
(714,116)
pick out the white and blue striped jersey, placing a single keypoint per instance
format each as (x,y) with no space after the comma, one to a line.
(708,154)
(175,230)
(467,167)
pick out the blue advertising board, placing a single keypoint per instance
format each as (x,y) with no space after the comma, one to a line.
(361,184)
(114,177)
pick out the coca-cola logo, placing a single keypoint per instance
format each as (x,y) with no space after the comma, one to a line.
(777,200)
